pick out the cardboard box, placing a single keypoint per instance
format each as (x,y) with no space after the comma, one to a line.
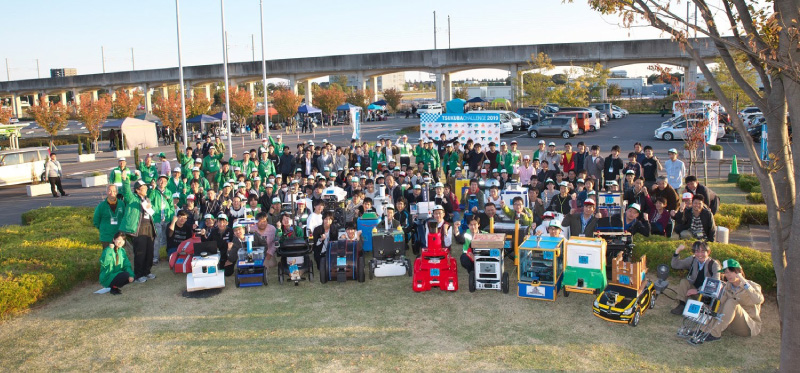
(629,274)
(488,241)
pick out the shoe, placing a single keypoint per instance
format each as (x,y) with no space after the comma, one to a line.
(151,276)
(115,291)
(55,196)
(65,195)
(141,280)
(678,310)
(155,261)
(712,338)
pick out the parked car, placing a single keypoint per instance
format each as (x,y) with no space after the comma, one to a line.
(525,123)
(533,114)
(677,129)
(508,122)
(749,110)
(434,108)
(565,127)
(620,110)
(20,166)
(604,108)
(13,120)
(594,115)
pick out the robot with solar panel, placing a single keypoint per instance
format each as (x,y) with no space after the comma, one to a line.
(435,267)
(250,269)
(489,273)
(702,313)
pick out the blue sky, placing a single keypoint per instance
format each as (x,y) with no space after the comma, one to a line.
(71,33)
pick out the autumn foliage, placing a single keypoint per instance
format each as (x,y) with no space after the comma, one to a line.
(198,104)
(124,106)
(50,117)
(392,97)
(327,99)
(359,98)
(93,114)
(168,110)
(5,115)
(286,102)
(242,105)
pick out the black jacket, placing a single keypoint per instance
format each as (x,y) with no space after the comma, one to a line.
(711,198)
(286,165)
(640,226)
(683,221)
(615,165)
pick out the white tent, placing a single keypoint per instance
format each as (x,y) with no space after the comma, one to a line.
(135,132)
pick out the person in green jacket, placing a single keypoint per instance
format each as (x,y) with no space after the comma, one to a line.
(512,158)
(186,159)
(376,156)
(137,223)
(450,161)
(108,214)
(245,164)
(419,151)
(278,145)
(266,167)
(211,165)
(115,268)
(203,182)
(163,211)
(148,169)
(176,183)
(225,173)
(117,173)
(467,259)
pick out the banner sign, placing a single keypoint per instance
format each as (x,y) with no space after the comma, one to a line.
(711,115)
(355,120)
(764,151)
(481,128)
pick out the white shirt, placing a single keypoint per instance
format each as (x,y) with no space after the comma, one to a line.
(676,172)
(314,220)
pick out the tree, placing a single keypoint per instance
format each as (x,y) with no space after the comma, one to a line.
(168,110)
(461,93)
(536,85)
(327,99)
(51,117)
(393,98)
(93,114)
(286,102)
(196,105)
(242,105)
(359,97)
(766,33)
(559,79)
(729,87)
(614,90)
(124,106)
(5,115)
(341,81)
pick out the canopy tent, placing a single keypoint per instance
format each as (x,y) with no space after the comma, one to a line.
(476,100)
(380,103)
(272,111)
(135,132)
(221,115)
(375,107)
(308,109)
(149,117)
(203,118)
(346,106)
(455,106)
(501,101)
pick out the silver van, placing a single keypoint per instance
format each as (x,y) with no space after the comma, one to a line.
(21,166)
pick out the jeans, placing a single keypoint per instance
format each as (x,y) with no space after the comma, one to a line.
(161,238)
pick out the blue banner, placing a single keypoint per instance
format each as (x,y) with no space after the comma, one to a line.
(764,151)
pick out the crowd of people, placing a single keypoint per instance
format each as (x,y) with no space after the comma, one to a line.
(160,204)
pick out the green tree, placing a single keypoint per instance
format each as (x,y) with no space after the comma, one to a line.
(766,33)
(730,88)
(614,90)
(461,93)
(393,98)
(359,97)
(537,85)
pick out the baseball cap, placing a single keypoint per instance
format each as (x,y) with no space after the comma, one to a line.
(495,171)
(198,160)
(563,184)
(541,142)
(241,185)
(483,171)
(589,201)
(526,157)
(549,181)
(672,150)
(549,215)
(164,176)
(222,216)
(162,155)
(176,195)
(730,263)
(438,185)
(486,162)
(369,168)
(195,169)
(139,183)
(458,168)
(389,206)
(269,185)
(324,141)
(554,223)
(357,164)
(438,207)
(551,144)
(504,171)
(635,206)
(630,172)
(276,200)
(121,159)
(513,141)
(237,225)
(580,181)
(208,216)
(417,186)
(190,197)
(503,143)
(687,195)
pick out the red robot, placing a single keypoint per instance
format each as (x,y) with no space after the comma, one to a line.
(435,267)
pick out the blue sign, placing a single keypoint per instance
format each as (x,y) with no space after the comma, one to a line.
(547,255)
(764,151)
(434,272)
(341,261)
(494,253)
(624,280)
(583,259)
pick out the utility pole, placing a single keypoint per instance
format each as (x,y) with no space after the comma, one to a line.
(133,61)
(264,68)
(180,75)
(38,72)
(225,74)
(253,45)
(8,74)
(434,30)
(103,56)
(448,31)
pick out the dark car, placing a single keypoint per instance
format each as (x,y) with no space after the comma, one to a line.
(565,127)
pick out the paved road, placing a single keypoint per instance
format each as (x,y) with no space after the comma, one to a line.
(623,132)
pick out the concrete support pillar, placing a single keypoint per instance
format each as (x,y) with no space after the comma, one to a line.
(76,96)
(34,99)
(189,89)
(64,97)
(293,83)
(516,87)
(604,94)
(251,87)
(690,77)
(94,95)
(164,92)
(16,105)
(309,96)
(113,92)
(45,98)
(374,86)
(448,88)
(362,81)
(439,87)
(148,99)
(207,89)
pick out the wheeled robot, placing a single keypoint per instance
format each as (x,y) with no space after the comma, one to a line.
(435,267)
(181,260)
(250,269)
(205,272)
(389,255)
(702,313)
(295,254)
(585,266)
(343,260)
(629,295)
(489,273)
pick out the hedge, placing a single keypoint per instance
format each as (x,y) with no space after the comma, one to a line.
(755,197)
(757,265)
(55,249)
(749,183)
(746,214)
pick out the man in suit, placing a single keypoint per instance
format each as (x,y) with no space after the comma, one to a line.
(584,224)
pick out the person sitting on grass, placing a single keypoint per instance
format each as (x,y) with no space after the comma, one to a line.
(700,266)
(467,259)
(237,242)
(115,268)
(740,304)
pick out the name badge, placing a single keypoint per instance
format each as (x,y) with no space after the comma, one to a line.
(611,169)
(113,221)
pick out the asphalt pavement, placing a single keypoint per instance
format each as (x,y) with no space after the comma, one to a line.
(624,132)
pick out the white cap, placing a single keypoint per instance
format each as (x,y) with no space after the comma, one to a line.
(438,185)
(554,223)
(635,206)
(121,159)
(687,195)
(198,160)
(195,169)
(176,169)
(503,143)
(541,142)
(526,157)
(564,184)
(438,207)
(208,216)
(551,144)
(176,195)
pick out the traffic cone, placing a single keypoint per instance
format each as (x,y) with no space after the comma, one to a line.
(733,176)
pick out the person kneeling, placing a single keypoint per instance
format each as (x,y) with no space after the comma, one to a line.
(237,242)
(115,268)
(740,304)
(700,266)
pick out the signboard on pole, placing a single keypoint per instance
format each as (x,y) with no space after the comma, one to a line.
(481,128)
(711,115)
(764,151)
(355,119)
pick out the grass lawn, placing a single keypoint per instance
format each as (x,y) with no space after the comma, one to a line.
(380,325)
(728,192)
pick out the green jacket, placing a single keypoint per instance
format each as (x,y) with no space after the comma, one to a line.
(405,149)
(162,205)
(115,176)
(246,167)
(509,160)
(211,163)
(266,169)
(133,209)
(112,262)
(148,173)
(376,157)
(298,233)
(450,162)
(419,154)
(278,146)
(103,219)
(432,161)
(223,177)
(526,218)
(186,162)
(173,188)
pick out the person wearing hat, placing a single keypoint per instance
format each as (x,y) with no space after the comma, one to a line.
(238,241)
(633,222)
(700,266)
(246,164)
(554,229)
(116,174)
(585,223)
(211,165)
(377,155)
(627,182)
(219,145)
(695,220)
(443,229)
(675,170)
(388,221)
(552,157)
(502,155)
(527,171)
(164,168)
(561,203)
(277,142)
(544,226)
(221,234)
(540,151)
(450,160)
(175,184)
(432,160)
(147,169)
(202,182)
(549,192)
(178,230)
(441,199)
(265,166)
(192,208)
(739,305)
(137,224)
(405,149)
(163,212)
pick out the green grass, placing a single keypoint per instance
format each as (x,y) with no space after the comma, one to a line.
(56,249)
(380,325)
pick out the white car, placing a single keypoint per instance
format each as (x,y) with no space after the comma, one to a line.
(676,129)
(618,112)
(13,120)
(508,122)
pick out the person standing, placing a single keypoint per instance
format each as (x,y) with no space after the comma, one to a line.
(593,164)
(117,173)
(163,214)
(52,168)
(137,224)
(676,170)
(107,215)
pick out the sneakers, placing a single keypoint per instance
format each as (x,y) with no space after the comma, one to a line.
(155,261)
(712,338)
(151,276)
(141,280)
(678,310)
(115,291)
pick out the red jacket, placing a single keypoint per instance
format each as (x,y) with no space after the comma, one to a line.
(566,165)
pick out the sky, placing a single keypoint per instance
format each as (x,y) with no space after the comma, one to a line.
(71,33)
